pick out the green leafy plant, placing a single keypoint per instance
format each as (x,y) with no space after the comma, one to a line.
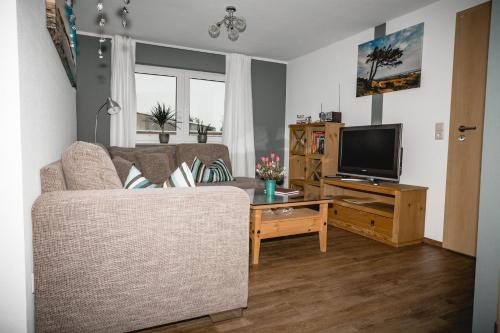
(161,116)
(202,129)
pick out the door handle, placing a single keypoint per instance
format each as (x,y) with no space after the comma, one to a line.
(463,128)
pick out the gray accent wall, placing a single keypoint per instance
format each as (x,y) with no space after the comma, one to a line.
(378,99)
(93,86)
(92,89)
(269,96)
(155,55)
(488,241)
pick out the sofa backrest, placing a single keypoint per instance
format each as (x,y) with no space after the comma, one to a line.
(178,153)
(206,152)
(52,178)
(129,153)
(52,175)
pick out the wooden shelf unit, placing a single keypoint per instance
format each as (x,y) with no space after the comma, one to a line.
(307,163)
(390,213)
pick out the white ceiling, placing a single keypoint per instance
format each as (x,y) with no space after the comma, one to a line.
(276,29)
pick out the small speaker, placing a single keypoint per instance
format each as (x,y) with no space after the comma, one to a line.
(334,117)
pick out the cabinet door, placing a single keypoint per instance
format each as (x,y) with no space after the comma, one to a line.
(297,140)
(371,223)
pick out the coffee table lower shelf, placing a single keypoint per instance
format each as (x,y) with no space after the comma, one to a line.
(301,221)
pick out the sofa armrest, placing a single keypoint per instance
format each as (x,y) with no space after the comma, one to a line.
(121,260)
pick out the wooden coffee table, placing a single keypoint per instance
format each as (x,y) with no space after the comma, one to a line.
(303,218)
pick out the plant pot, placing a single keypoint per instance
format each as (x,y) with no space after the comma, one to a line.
(202,138)
(270,187)
(164,137)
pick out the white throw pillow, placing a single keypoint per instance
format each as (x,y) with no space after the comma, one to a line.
(135,180)
(181,177)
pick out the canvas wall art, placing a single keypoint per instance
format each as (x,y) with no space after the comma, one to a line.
(390,63)
(61,23)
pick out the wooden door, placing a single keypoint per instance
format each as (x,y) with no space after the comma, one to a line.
(466,129)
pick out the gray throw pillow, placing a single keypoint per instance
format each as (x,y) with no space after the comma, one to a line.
(128,155)
(122,167)
(87,166)
(154,166)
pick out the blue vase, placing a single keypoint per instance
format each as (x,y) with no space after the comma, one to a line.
(270,187)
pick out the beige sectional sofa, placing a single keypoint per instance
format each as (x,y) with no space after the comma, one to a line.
(121,260)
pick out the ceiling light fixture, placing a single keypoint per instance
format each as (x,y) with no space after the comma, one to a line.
(101,22)
(124,12)
(234,25)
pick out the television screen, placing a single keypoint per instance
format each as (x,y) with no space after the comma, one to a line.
(371,151)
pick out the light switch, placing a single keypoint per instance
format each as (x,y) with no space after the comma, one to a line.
(438,131)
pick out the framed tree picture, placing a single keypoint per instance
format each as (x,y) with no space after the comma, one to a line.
(390,63)
(61,22)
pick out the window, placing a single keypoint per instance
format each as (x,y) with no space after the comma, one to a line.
(206,104)
(151,90)
(194,96)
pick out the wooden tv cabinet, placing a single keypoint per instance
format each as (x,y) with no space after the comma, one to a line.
(390,213)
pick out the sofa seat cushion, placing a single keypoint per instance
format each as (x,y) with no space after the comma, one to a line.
(87,166)
(240,182)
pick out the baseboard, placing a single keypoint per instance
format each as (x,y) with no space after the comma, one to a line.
(226,315)
(433,242)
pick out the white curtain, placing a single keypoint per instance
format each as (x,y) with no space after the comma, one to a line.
(123,124)
(238,115)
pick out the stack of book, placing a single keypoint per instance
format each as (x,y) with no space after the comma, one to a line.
(318,142)
(286,192)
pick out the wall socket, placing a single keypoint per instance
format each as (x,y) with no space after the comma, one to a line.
(438,131)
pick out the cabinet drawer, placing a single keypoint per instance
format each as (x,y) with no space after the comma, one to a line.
(360,219)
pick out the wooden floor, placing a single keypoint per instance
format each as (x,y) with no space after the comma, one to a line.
(359,285)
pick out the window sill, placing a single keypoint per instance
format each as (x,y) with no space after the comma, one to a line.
(155,132)
(148,137)
(208,134)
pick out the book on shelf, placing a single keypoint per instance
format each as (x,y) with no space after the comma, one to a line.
(318,142)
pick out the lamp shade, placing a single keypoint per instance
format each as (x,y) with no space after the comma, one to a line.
(113,106)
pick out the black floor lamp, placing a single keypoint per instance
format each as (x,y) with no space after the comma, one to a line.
(112,108)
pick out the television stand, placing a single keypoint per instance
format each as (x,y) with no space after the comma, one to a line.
(390,213)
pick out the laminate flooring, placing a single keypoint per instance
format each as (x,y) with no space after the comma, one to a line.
(358,285)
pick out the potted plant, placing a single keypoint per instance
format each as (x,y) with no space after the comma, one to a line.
(161,116)
(270,170)
(202,131)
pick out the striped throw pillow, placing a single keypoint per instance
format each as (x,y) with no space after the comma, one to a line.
(181,177)
(215,173)
(135,180)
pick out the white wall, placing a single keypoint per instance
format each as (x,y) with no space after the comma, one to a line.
(45,112)
(314,78)
(12,250)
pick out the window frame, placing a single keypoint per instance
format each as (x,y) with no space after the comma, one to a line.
(182,134)
(206,77)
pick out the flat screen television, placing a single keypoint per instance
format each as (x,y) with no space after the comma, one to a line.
(372,152)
